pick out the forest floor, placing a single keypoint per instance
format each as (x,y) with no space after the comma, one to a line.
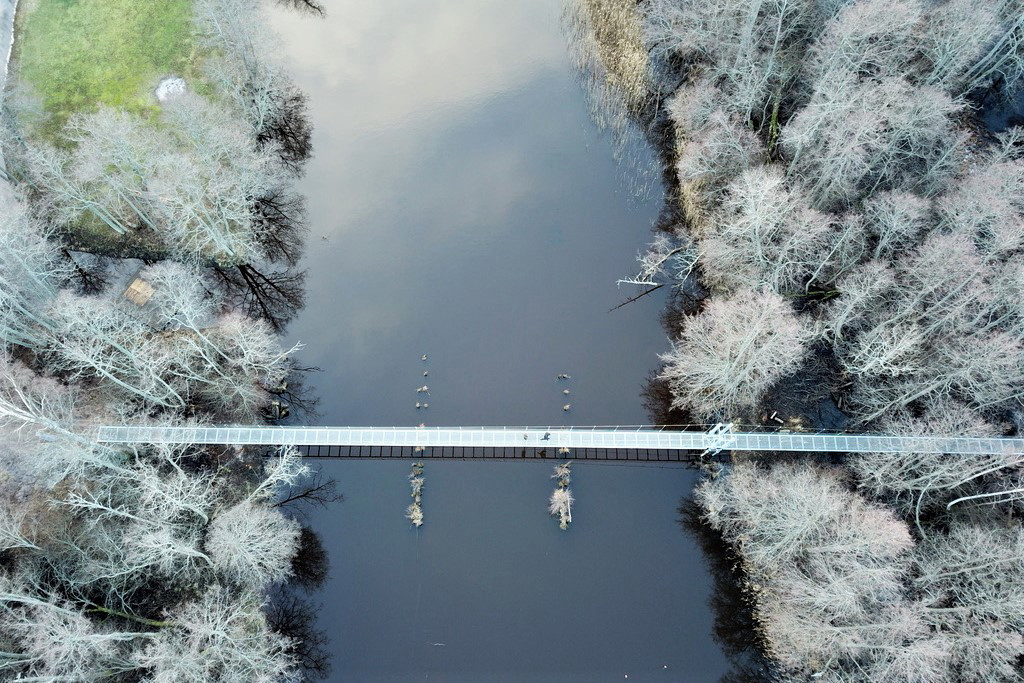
(75,54)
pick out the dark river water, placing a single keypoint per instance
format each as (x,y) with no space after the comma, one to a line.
(463,205)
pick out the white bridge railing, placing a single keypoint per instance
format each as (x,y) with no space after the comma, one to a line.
(621,438)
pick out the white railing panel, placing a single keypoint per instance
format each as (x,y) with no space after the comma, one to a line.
(570,437)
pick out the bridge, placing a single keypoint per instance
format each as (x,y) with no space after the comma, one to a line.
(643,443)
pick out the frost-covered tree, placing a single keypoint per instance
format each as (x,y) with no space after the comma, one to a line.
(857,136)
(765,235)
(733,351)
(47,639)
(755,50)
(988,207)
(244,73)
(142,520)
(234,363)
(827,570)
(924,482)
(222,637)
(874,38)
(972,580)
(718,151)
(35,407)
(209,192)
(192,183)
(181,351)
(115,158)
(252,545)
(944,323)
(896,221)
(93,338)
(970,45)
(31,270)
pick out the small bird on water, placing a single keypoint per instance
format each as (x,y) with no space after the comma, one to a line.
(423,357)
(566,407)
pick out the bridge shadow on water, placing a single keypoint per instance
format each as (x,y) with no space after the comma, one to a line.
(690,458)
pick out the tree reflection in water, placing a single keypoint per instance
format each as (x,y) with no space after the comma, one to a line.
(734,627)
(290,612)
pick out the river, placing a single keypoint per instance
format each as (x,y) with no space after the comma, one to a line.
(463,205)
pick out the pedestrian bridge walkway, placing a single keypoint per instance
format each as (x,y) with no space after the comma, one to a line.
(591,443)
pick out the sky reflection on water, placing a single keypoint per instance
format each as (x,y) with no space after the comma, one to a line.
(472,212)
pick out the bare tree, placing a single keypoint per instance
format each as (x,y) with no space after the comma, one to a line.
(273,107)
(944,322)
(252,545)
(733,351)
(192,183)
(209,194)
(922,482)
(716,153)
(222,638)
(235,363)
(67,198)
(954,39)
(972,580)
(94,338)
(862,290)
(755,50)
(827,571)
(856,136)
(870,38)
(30,273)
(182,352)
(141,520)
(50,640)
(280,473)
(115,157)
(764,235)
(35,410)
(896,221)
(971,46)
(987,207)
(665,256)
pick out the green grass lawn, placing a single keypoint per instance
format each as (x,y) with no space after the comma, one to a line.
(79,53)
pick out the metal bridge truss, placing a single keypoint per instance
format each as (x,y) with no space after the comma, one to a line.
(612,443)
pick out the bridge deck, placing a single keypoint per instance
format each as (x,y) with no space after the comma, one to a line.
(551,439)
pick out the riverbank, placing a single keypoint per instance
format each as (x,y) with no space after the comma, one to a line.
(854,238)
(144,560)
(8,13)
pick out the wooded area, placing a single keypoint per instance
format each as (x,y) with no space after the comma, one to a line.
(146,267)
(846,240)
